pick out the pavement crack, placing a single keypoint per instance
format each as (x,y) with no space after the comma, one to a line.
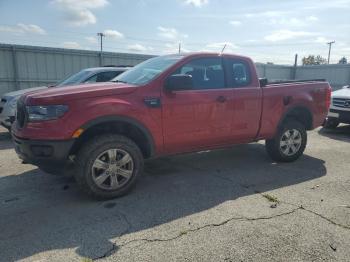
(314,213)
(185,232)
(325,218)
(114,247)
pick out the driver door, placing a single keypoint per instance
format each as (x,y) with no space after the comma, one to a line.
(202,116)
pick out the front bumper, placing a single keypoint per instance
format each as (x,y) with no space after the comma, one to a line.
(341,116)
(7,122)
(7,114)
(42,152)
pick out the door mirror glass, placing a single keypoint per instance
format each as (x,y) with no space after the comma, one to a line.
(179,82)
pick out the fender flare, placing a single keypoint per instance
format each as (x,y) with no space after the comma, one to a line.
(296,107)
(128,120)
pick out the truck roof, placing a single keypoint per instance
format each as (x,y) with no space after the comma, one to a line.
(195,54)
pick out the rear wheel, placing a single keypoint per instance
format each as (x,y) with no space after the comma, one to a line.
(331,123)
(289,142)
(108,166)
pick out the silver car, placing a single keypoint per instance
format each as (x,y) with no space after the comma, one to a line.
(8,101)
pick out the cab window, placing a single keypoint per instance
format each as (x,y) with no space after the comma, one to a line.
(207,73)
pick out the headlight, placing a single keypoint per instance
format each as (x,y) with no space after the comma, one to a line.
(40,113)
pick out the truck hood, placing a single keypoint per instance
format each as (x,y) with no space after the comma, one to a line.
(342,93)
(16,94)
(68,93)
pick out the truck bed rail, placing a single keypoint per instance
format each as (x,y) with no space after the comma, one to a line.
(296,81)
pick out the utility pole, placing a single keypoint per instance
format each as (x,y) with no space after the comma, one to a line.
(329,51)
(101,35)
(179,48)
(295,66)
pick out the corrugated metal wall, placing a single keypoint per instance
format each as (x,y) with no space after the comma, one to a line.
(275,72)
(27,66)
(336,75)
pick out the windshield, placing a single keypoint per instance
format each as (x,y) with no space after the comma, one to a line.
(148,70)
(74,79)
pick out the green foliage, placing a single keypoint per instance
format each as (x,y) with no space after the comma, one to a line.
(314,60)
(343,60)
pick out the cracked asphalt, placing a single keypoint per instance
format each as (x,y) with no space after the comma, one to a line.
(226,205)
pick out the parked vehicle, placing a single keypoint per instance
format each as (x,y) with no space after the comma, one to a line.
(339,111)
(90,75)
(166,105)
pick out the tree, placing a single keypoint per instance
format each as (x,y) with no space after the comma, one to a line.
(343,60)
(312,60)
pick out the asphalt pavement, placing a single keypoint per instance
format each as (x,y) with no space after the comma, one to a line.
(234,204)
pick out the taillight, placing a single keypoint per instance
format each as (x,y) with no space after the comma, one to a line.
(328,97)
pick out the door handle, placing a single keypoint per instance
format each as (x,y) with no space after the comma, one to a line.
(153,102)
(221,99)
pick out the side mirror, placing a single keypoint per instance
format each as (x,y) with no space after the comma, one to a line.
(178,82)
(263,82)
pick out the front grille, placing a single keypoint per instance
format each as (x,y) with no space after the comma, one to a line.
(21,114)
(341,102)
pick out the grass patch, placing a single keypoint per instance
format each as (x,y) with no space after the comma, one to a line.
(86,259)
(271,198)
(183,233)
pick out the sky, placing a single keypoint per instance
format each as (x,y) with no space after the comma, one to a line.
(268,31)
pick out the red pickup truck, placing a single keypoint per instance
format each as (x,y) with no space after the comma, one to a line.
(166,105)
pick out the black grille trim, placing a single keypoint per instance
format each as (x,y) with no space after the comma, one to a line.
(21,114)
(341,102)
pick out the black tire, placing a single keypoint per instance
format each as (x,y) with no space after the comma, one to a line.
(90,152)
(273,145)
(331,123)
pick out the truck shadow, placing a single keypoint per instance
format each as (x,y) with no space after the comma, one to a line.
(5,139)
(341,133)
(42,213)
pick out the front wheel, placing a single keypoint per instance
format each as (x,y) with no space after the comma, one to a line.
(108,166)
(289,142)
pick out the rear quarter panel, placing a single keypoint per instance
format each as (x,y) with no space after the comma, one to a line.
(311,95)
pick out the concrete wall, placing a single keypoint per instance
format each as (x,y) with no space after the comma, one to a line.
(27,66)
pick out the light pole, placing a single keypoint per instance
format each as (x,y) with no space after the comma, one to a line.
(329,51)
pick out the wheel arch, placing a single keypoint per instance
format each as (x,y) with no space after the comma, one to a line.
(122,125)
(301,113)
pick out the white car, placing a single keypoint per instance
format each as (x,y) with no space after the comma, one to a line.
(8,103)
(339,111)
